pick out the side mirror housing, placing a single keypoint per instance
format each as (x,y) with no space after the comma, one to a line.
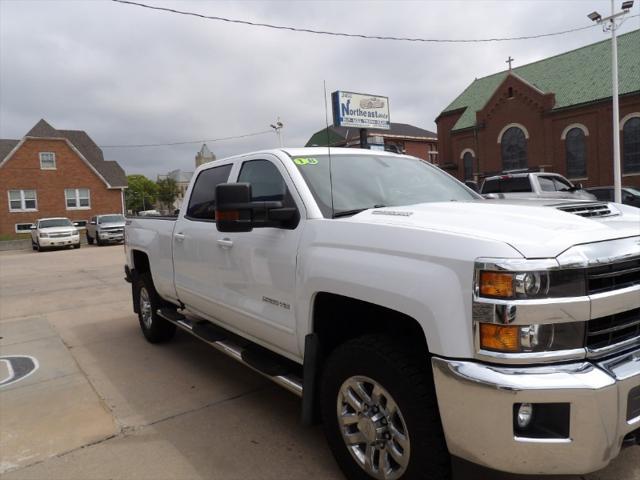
(233,207)
(32,227)
(93,223)
(235,212)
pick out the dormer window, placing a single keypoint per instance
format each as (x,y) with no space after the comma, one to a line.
(47,161)
(510,92)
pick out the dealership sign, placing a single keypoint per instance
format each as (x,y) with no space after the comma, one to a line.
(360,110)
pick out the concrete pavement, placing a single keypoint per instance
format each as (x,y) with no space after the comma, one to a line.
(104,403)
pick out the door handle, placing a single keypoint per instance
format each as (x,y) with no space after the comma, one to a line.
(179,236)
(225,242)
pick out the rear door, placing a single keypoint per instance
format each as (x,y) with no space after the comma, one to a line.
(196,256)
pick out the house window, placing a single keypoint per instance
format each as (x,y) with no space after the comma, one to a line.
(77,198)
(22,201)
(631,146)
(23,227)
(467,165)
(47,160)
(576,153)
(514,149)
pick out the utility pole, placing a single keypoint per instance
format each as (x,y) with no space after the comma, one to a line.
(609,23)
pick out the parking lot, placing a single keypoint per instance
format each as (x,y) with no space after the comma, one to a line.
(100,402)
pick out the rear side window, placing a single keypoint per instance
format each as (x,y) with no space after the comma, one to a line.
(202,204)
(267,185)
(506,185)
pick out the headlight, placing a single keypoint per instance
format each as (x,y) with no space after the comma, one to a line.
(74,231)
(491,282)
(531,338)
(43,235)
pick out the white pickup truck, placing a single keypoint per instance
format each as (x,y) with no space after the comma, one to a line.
(415,319)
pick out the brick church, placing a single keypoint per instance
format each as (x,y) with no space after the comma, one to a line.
(554,114)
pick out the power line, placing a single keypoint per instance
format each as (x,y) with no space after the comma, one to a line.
(186,143)
(353,35)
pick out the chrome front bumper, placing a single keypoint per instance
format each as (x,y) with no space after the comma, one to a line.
(476,403)
(59,241)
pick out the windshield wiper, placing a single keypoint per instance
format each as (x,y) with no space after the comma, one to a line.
(347,213)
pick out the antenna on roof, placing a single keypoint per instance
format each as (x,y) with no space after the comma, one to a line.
(326,121)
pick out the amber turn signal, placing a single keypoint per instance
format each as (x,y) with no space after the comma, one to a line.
(495,284)
(229,215)
(501,338)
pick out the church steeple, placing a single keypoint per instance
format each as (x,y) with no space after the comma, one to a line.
(204,155)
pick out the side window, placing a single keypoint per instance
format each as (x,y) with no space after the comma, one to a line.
(202,204)
(561,184)
(267,185)
(546,184)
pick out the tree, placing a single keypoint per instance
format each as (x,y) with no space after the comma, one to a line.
(167,192)
(141,194)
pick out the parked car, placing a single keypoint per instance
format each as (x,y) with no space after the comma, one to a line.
(416,319)
(630,195)
(533,184)
(106,229)
(54,232)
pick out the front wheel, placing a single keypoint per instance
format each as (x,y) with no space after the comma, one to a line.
(380,412)
(155,328)
(89,239)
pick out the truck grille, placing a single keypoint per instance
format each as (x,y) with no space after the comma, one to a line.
(113,230)
(588,210)
(60,234)
(613,276)
(610,330)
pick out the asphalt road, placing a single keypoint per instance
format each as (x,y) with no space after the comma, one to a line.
(103,403)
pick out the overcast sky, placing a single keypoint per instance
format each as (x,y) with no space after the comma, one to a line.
(129,75)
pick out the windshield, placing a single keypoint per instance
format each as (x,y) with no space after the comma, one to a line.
(368,181)
(111,219)
(55,222)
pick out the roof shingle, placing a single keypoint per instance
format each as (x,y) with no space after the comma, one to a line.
(110,170)
(576,77)
(338,135)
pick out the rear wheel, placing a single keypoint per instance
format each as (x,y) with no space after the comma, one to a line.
(155,328)
(380,412)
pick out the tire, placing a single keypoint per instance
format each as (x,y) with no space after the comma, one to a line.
(38,247)
(400,379)
(155,328)
(98,241)
(89,239)
(77,245)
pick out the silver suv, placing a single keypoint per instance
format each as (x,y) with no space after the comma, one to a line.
(106,229)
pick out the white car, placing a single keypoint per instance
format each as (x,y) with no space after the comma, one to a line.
(54,232)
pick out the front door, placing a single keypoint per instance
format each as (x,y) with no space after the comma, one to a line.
(258,268)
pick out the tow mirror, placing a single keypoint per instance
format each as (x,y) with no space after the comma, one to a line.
(235,212)
(233,207)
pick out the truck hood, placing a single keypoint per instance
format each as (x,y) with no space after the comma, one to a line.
(535,231)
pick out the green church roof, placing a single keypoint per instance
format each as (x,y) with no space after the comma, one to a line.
(576,77)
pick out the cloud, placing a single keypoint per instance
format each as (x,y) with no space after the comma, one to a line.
(130,75)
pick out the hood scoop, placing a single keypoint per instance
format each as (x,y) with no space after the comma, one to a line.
(589,209)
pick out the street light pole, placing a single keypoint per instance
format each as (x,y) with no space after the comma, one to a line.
(609,23)
(277,127)
(617,176)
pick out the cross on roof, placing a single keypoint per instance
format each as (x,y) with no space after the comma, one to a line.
(509,60)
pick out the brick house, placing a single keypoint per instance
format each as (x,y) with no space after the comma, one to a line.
(554,114)
(56,173)
(401,138)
